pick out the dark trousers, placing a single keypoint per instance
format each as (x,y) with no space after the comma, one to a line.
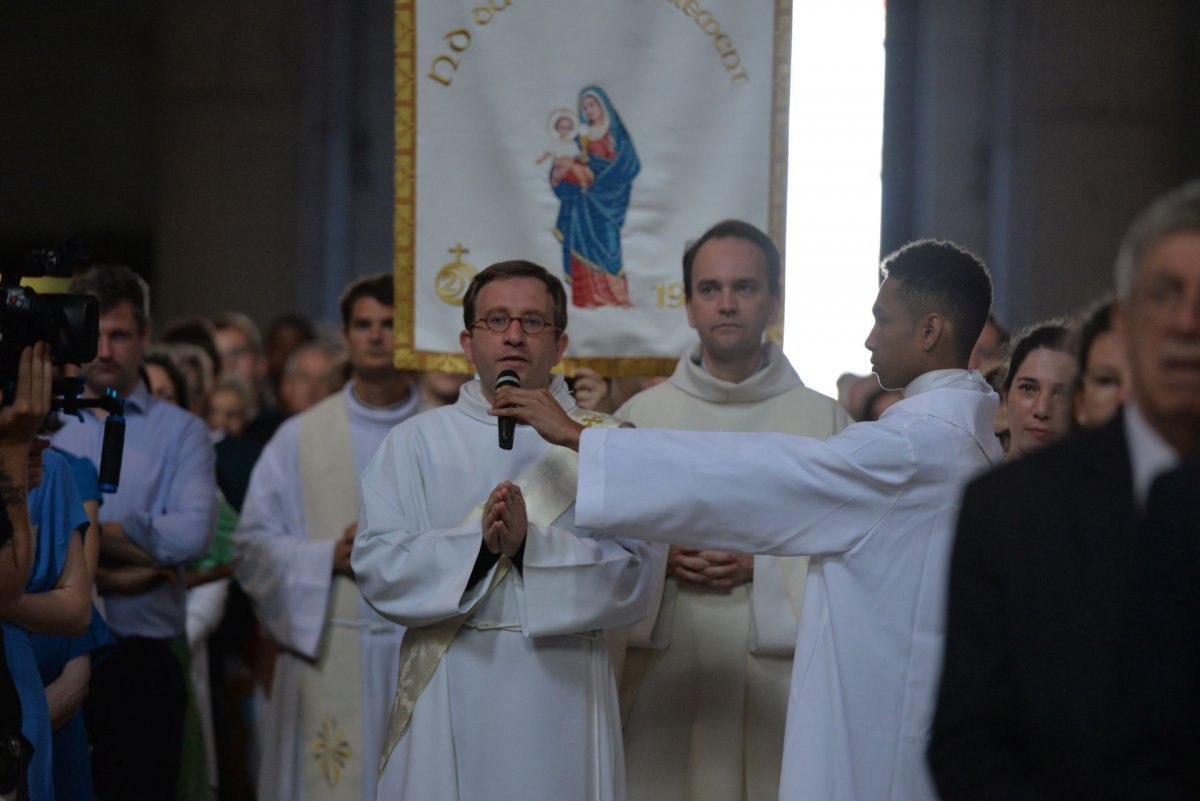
(134,715)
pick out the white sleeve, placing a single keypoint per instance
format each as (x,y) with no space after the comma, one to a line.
(416,574)
(761,493)
(577,583)
(286,576)
(410,572)
(205,607)
(649,632)
(183,530)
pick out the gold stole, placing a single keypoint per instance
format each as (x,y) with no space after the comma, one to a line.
(549,490)
(331,688)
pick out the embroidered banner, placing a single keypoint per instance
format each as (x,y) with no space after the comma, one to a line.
(594,138)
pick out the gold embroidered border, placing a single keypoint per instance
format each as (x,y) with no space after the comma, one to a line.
(407,357)
(781,89)
(405,211)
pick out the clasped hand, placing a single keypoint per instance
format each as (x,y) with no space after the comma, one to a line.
(592,391)
(715,569)
(504,520)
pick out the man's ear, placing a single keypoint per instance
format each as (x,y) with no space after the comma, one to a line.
(562,345)
(464,341)
(932,327)
(776,305)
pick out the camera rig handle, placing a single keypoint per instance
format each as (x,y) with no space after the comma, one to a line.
(67,398)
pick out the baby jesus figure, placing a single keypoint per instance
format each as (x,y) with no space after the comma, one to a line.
(569,159)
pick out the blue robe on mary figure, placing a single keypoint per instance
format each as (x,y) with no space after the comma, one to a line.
(592,214)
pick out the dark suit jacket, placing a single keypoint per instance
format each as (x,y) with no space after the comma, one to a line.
(236,458)
(1036,615)
(1162,666)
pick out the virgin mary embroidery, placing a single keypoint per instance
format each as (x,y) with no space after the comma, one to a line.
(594,197)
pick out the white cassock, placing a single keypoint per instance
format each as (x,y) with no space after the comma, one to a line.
(705,683)
(287,572)
(874,507)
(523,704)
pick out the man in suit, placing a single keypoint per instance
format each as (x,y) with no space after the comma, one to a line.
(1042,567)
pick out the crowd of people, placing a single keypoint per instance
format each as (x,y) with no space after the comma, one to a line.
(321,578)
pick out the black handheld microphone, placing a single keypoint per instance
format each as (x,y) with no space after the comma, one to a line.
(507,425)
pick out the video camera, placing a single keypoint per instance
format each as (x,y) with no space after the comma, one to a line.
(71,324)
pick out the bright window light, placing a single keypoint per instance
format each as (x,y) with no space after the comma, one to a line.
(834,164)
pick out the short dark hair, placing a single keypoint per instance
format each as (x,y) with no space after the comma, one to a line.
(113,284)
(1096,320)
(1051,334)
(734,229)
(380,288)
(517,269)
(939,276)
(294,320)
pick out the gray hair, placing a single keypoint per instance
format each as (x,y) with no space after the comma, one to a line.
(334,352)
(240,322)
(1178,211)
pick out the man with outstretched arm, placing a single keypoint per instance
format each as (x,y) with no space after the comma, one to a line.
(873,507)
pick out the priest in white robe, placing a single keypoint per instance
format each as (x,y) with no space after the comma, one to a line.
(322,731)
(506,688)
(704,685)
(873,507)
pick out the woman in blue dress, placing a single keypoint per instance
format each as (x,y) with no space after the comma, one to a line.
(594,199)
(65,663)
(57,600)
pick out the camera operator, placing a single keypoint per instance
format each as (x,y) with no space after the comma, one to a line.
(161,518)
(18,423)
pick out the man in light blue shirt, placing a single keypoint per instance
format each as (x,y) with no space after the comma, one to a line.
(160,518)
